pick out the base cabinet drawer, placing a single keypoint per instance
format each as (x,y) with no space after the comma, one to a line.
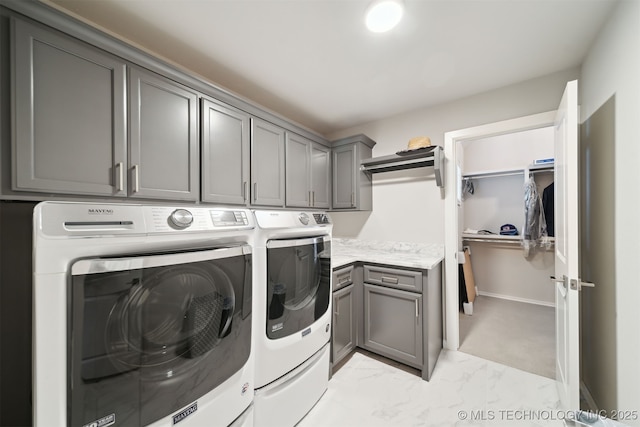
(401,279)
(342,277)
(393,324)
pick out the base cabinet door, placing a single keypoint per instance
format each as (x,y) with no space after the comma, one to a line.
(344,323)
(393,324)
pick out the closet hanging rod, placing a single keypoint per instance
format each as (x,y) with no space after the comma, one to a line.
(535,171)
(493,174)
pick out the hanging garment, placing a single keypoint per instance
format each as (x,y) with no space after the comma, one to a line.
(548,206)
(535,226)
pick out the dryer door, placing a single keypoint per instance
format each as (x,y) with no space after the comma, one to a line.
(151,334)
(298,285)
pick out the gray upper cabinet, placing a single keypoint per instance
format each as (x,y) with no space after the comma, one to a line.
(307,173)
(351,186)
(267,164)
(68,103)
(225,154)
(320,176)
(297,163)
(164,143)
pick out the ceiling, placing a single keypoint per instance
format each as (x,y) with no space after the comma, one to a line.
(314,62)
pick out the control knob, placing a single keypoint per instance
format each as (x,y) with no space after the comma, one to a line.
(304,218)
(181,218)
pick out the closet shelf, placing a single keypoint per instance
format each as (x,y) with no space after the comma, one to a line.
(491,238)
(430,158)
(496,238)
(508,172)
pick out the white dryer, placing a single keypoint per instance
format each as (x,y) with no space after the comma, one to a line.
(292,314)
(142,315)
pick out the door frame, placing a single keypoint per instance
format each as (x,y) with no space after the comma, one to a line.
(452,243)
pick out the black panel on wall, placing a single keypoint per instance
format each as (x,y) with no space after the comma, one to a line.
(15,313)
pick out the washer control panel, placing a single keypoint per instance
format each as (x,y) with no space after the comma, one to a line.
(167,219)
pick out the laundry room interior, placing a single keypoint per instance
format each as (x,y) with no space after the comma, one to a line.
(220,214)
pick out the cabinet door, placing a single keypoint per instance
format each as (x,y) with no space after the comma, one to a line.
(164,153)
(69,115)
(344,323)
(393,324)
(297,171)
(225,154)
(344,177)
(267,164)
(320,176)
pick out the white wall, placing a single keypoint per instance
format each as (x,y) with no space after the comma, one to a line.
(613,67)
(407,205)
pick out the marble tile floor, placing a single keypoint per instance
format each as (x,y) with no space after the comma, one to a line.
(464,390)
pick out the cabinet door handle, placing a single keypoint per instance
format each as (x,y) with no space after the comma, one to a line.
(136,178)
(337,310)
(120,176)
(417,312)
(255,191)
(244,191)
(353,199)
(393,280)
(313,198)
(344,279)
(310,199)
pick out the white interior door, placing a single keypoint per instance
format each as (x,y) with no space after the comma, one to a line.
(567,249)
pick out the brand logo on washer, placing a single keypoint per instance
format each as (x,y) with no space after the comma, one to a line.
(245,388)
(100,211)
(103,422)
(185,413)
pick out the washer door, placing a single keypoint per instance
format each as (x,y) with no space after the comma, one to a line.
(298,285)
(152,334)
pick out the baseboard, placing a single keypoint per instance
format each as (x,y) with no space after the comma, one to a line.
(518,299)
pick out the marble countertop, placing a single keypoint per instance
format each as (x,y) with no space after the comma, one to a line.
(424,256)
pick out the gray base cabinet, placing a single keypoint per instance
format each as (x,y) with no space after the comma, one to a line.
(397,313)
(393,324)
(345,313)
(344,323)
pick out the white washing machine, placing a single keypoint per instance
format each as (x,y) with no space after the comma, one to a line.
(292,314)
(142,315)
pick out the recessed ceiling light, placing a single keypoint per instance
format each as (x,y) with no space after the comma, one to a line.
(383,15)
